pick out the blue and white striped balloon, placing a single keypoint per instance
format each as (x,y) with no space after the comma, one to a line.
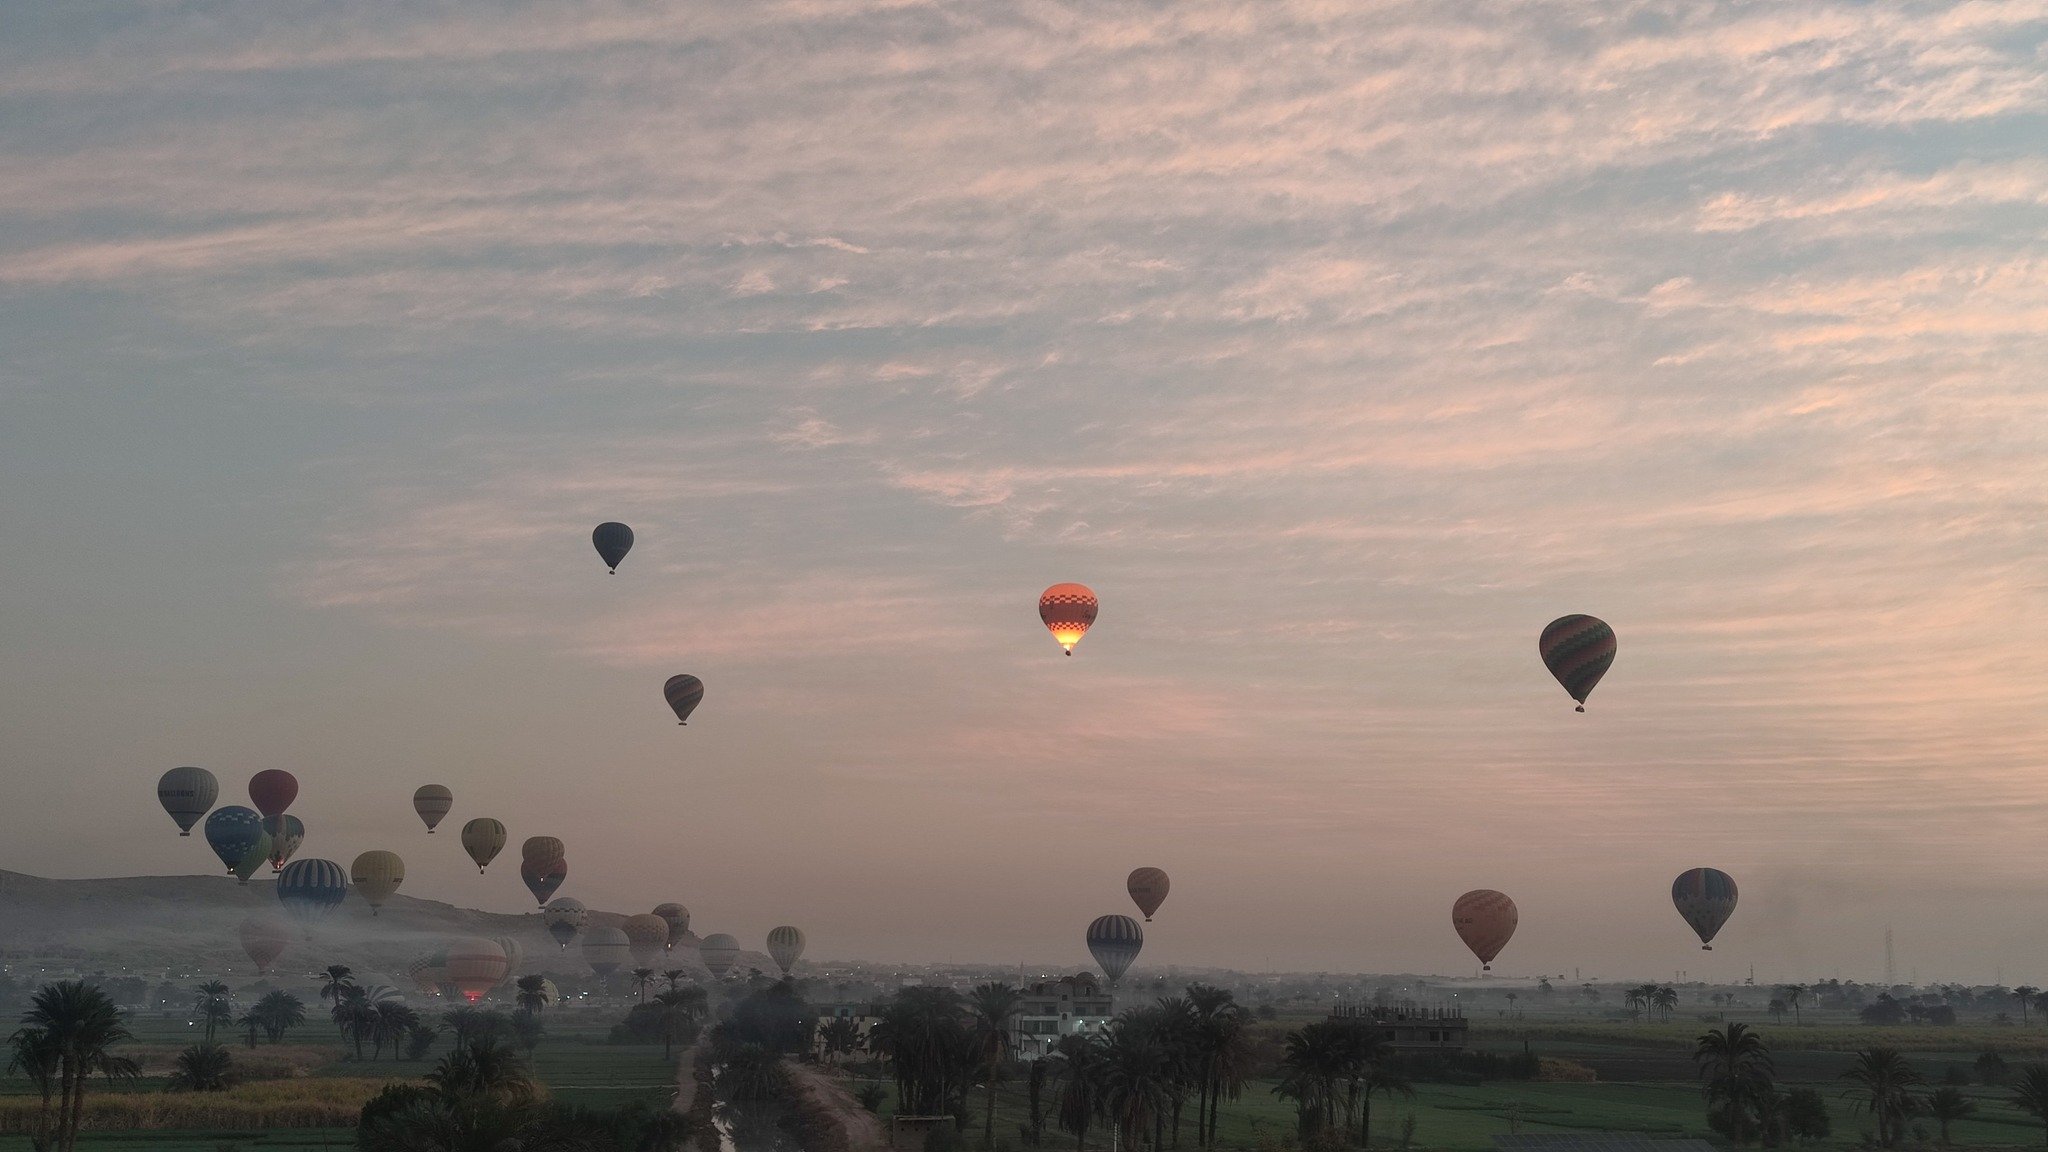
(1114,941)
(311,890)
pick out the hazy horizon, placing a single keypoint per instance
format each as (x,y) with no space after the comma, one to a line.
(1338,349)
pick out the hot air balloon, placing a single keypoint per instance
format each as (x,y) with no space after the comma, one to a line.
(1148,889)
(231,832)
(474,967)
(647,936)
(1068,610)
(613,540)
(1706,898)
(286,834)
(719,952)
(376,874)
(678,918)
(564,918)
(541,849)
(432,802)
(1485,921)
(1114,941)
(543,878)
(264,939)
(683,694)
(1578,650)
(311,890)
(186,793)
(483,838)
(254,858)
(605,950)
(273,790)
(514,953)
(785,947)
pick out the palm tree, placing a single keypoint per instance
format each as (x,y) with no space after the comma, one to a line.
(202,1068)
(251,1023)
(1738,1072)
(354,1014)
(212,1006)
(2030,1093)
(1792,994)
(1664,999)
(674,976)
(1134,1077)
(1777,1009)
(1079,1098)
(1218,1026)
(990,1007)
(389,1022)
(1883,1087)
(82,1025)
(533,995)
(1512,997)
(483,1068)
(32,1053)
(641,976)
(1947,1105)
(680,1008)
(279,1011)
(1382,1076)
(334,979)
(2025,994)
(1318,1055)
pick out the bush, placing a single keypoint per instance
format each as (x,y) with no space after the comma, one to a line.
(871,1096)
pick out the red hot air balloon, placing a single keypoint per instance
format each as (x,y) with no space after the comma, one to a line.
(542,877)
(264,939)
(273,790)
(1485,921)
(1147,887)
(1578,650)
(1068,611)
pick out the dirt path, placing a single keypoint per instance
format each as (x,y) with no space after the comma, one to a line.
(839,1121)
(686,1080)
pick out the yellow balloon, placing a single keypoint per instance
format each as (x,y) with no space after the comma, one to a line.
(377,874)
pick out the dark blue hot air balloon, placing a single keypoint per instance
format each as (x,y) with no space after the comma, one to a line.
(613,541)
(231,832)
(311,890)
(1114,941)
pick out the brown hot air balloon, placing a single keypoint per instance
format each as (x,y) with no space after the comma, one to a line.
(1067,610)
(646,938)
(1485,921)
(264,939)
(273,790)
(1148,889)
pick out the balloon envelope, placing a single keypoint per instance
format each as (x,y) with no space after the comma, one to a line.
(1147,887)
(785,947)
(1485,921)
(564,918)
(286,834)
(1114,941)
(311,890)
(231,832)
(474,966)
(254,858)
(483,838)
(646,937)
(1578,650)
(605,950)
(187,793)
(264,939)
(612,540)
(541,849)
(376,875)
(1706,898)
(719,952)
(432,802)
(1068,611)
(683,694)
(273,790)
(678,918)
(542,878)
